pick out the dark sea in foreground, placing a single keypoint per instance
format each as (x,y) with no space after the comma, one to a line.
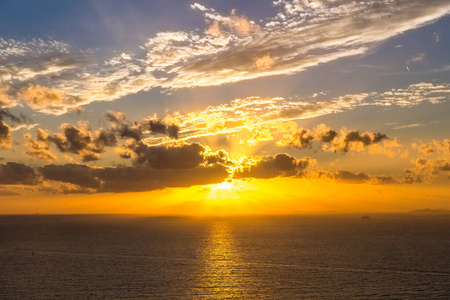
(296,257)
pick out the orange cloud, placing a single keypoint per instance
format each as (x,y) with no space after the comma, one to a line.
(264,62)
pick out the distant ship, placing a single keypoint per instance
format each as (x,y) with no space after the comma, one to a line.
(365,217)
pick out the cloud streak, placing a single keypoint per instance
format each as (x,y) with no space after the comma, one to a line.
(264,117)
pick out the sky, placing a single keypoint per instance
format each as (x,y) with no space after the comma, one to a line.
(224,107)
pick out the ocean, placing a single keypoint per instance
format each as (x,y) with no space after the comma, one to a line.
(404,256)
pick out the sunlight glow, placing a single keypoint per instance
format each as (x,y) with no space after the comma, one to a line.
(222,191)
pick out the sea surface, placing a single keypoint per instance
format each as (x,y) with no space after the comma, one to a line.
(291,257)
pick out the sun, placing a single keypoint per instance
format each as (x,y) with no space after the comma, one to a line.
(226,190)
(226,185)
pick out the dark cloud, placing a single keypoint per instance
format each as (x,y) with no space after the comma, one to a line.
(445,167)
(385,180)
(126,179)
(157,127)
(342,175)
(9,193)
(218,157)
(303,138)
(72,139)
(355,138)
(172,131)
(344,142)
(5,130)
(125,130)
(115,116)
(123,127)
(104,138)
(136,130)
(153,168)
(5,135)
(79,140)
(81,175)
(350,177)
(273,166)
(17,173)
(328,136)
(184,156)
(365,138)
(4,113)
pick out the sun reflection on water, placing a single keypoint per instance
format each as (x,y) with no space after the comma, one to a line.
(224,275)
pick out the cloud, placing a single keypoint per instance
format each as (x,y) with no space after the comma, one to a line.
(79,140)
(301,138)
(17,173)
(264,62)
(5,130)
(72,139)
(435,162)
(39,147)
(416,58)
(34,47)
(350,177)
(184,164)
(88,144)
(347,176)
(332,141)
(9,193)
(5,101)
(234,24)
(184,156)
(5,135)
(46,99)
(302,35)
(389,147)
(175,156)
(426,169)
(124,179)
(297,39)
(355,140)
(152,125)
(414,95)
(80,175)
(385,180)
(266,117)
(59,187)
(269,166)
(153,168)
(436,147)
(157,168)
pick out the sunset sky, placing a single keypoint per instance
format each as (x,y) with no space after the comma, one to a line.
(224,107)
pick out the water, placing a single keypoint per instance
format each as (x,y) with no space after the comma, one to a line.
(319,257)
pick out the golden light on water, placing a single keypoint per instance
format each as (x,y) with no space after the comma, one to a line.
(224,275)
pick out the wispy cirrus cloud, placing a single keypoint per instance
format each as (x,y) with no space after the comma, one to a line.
(232,48)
